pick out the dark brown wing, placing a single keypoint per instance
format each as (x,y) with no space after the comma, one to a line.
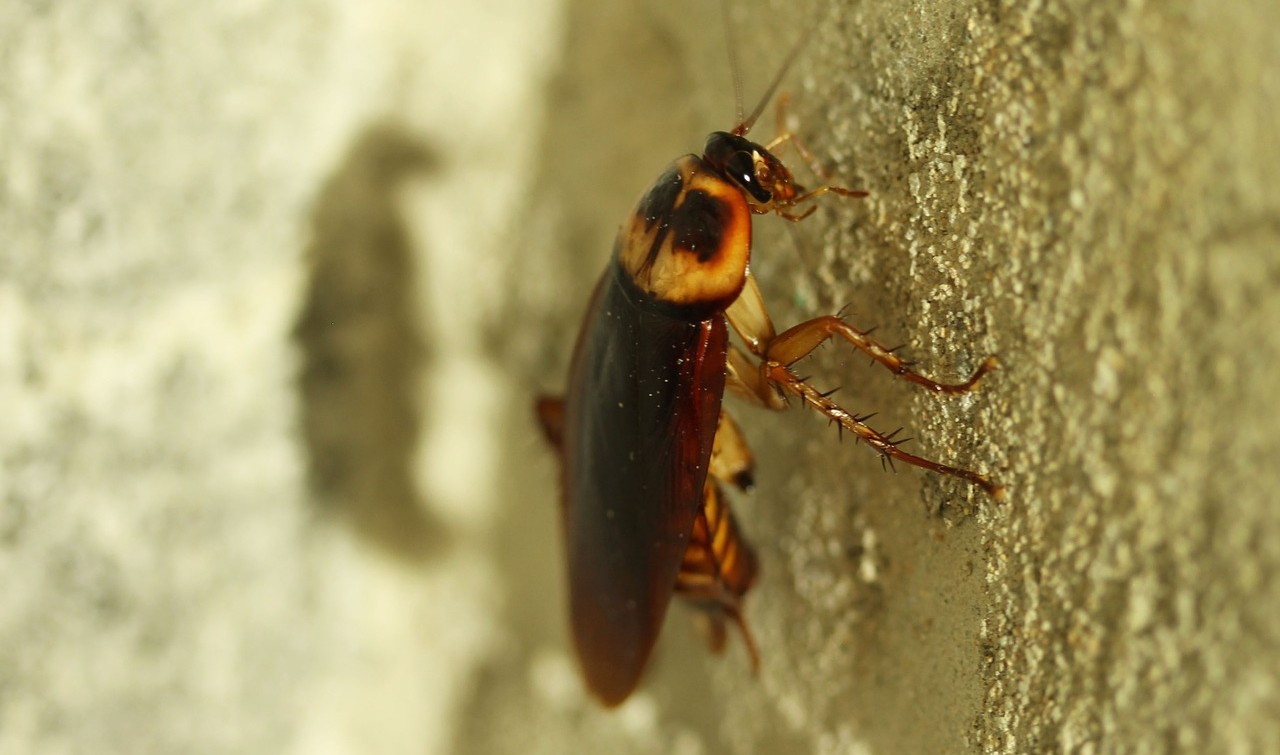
(639,420)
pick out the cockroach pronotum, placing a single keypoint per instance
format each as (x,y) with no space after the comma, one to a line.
(641,436)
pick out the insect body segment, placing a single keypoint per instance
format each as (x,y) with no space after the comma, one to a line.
(718,569)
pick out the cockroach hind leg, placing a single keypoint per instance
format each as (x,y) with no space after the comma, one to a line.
(550,412)
(888,448)
(748,640)
(711,620)
(711,626)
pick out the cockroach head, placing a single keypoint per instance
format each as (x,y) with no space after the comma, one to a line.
(763,179)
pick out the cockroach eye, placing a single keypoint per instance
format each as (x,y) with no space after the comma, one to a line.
(742,169)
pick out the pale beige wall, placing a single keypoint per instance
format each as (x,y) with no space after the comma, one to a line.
(245,242)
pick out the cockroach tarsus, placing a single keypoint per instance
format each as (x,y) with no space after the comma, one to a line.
(643,441)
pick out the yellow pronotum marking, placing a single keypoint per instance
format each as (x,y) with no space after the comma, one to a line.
(680,276)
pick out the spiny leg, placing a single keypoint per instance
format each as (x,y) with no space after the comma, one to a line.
(797,342)
(773,380)
(780,375)
(750,319)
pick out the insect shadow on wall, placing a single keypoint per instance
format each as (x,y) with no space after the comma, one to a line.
(363,350)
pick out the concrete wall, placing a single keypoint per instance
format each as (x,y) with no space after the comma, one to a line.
(278,284)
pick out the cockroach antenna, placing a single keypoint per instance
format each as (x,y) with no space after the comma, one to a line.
(745,124)
(734,71)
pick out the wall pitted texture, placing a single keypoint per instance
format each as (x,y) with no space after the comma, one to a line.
(1088,190)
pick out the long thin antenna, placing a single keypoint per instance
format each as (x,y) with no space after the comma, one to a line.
(733,61)
(745,125)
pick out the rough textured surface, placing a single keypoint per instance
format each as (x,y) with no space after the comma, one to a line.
(1088,190)
(240,242)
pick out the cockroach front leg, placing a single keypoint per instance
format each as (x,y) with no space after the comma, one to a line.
(787,136)
(550,412)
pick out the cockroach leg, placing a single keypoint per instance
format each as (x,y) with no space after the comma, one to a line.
(750,320)
(774,380)
(735,615)
(780,375)
(795,343)
(792,217)
(711,618)
(743,378)
(809,196)
(731,459)
(718,568)
(550,412)
(787,136)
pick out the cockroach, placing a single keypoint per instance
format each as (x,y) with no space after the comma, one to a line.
(641,436)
